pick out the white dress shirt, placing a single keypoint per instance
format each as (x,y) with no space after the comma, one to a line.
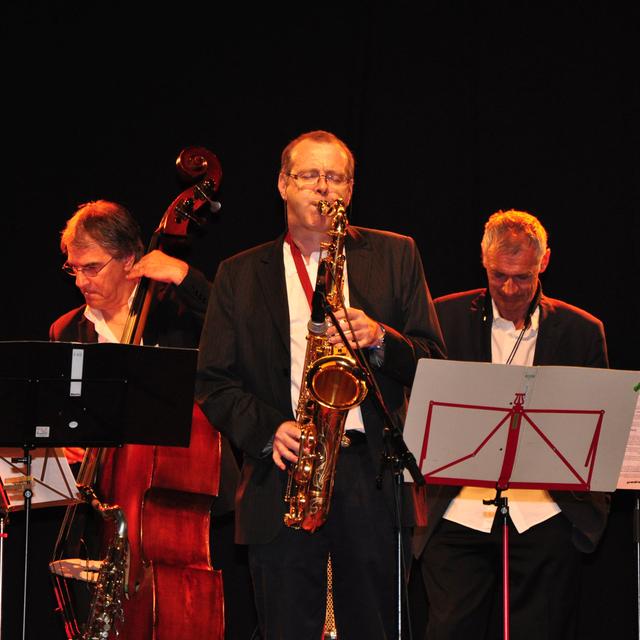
(299,314)
(100,324)
(527,507)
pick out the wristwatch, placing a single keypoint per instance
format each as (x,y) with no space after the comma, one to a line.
(380,343)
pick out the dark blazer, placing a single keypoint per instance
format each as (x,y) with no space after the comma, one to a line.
(175,318)
(243,383)
(568,336)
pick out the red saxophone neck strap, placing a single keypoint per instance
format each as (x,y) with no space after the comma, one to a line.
(305,281)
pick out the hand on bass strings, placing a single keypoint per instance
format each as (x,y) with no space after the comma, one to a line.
(159,266)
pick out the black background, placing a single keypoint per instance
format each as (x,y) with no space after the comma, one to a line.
(453,110)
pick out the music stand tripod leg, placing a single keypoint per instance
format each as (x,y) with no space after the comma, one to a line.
(3,535)
(4,518)
(502,504)
(27,495)
(636,541)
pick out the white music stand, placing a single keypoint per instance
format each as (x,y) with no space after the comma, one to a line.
(505,426)
(50,481)
(630,479)
(56,394)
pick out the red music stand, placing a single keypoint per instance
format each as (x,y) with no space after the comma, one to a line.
(506,426)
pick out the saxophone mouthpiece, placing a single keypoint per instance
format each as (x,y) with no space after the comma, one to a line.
(327,208)
(324,207)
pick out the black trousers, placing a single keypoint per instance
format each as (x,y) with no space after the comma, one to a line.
(462,570)
(289,573)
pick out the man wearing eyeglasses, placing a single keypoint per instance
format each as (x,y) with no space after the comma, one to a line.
(511,322)
(252,353)
(104,255)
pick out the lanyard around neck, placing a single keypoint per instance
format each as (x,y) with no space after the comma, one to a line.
(298,260)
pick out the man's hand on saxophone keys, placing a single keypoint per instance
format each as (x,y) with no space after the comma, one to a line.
(286,444)
(367,332)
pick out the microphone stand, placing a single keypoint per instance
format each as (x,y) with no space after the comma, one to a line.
(395,456)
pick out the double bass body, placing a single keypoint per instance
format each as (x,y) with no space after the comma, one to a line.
(167,494)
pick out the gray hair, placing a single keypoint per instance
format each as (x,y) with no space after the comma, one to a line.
(506,230)
(108,224)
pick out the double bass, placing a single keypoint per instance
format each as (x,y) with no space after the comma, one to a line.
(153,578)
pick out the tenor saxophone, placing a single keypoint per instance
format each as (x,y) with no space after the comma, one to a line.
(105,579)
(332,384)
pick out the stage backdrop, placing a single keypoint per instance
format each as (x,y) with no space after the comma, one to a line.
(453,110)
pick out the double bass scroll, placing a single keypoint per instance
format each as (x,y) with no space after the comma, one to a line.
(193,163)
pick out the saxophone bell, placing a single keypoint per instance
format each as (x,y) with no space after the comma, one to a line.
(336,382)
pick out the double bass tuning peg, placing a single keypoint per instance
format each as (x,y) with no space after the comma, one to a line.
(214,206)
(184,211)
(201,166)
(205,191)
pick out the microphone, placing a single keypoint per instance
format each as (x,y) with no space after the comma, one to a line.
(317,324)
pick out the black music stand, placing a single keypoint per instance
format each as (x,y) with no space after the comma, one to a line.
(55,394)
(505,426)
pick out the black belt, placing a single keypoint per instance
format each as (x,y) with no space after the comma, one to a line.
(354,437)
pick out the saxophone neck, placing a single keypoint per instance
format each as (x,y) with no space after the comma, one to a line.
(337,211)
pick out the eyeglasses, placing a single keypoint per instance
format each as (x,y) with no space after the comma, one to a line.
(311,178)
(91,270)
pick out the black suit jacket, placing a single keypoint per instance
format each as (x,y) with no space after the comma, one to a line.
(568,336)
(175,318)
(244,377)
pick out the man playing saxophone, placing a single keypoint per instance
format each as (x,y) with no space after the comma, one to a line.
(251,375)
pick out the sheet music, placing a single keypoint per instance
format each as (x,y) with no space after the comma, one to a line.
(53,482)
(563,428)
(630,472)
